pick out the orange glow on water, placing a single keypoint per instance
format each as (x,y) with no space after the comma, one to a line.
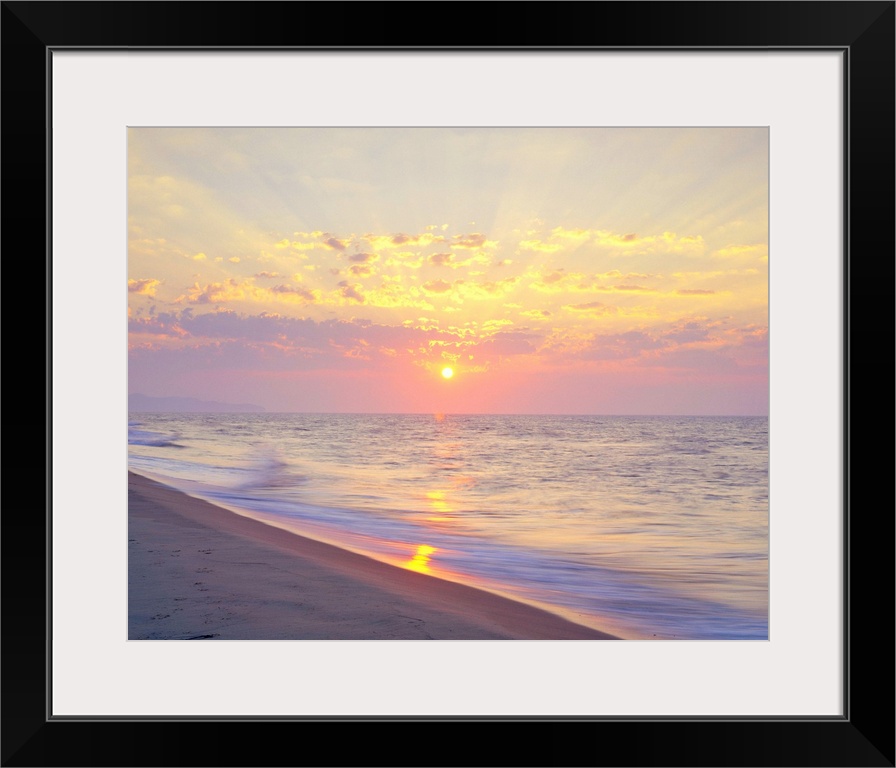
(440,506)
(420,561)
(437,499)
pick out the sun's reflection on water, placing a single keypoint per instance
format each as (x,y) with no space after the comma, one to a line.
(420,561)
(442,509)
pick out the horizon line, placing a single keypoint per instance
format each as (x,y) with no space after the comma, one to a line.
(477,413)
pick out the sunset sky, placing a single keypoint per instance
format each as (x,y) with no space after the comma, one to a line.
(555,270)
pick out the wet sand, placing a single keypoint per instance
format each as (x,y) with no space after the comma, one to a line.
(198,571)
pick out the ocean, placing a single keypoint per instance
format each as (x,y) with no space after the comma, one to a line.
(645,527)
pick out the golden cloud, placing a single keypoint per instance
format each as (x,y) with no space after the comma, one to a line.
(757,250)
(538,245)
(401,240)
(144,287)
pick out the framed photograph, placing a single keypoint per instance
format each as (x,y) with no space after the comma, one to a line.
(460,402)
(364,265)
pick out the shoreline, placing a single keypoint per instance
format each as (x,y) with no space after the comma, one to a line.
(199,571)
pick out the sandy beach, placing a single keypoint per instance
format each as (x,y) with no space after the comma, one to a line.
(198,571)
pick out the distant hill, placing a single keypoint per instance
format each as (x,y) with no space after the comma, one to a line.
(146,404)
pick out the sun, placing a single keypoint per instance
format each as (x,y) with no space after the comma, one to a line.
(447,372)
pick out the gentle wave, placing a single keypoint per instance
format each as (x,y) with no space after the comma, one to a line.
(143,437)
(599,518)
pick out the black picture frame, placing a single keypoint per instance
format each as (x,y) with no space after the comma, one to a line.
(864,735)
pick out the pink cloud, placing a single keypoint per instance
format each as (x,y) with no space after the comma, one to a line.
(351,291)
(437,286)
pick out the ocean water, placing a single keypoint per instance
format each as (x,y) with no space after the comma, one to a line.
(645,527)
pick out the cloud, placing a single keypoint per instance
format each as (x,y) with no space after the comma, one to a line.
(615,274)
(401,239)
(693,292)
(507,343)
(214,293)
(303,293)
(300,246)
(165,325)
(472,241)
(436,286)
(363,258)
(578,235)
(144,287)
(450,260)
(486,289)
(620,346)
(406,259)
(234,259)
(689,332)
(556,281)
(667,242)
(336,244)
(266,274)
(751,336)
(351,291)
(617,243)
(541,247)
(693,359)
(234,290)
(631,288)
(269,341)
(592,308)
(392,294)
(227,324)
(491,326)
(757,250)
(696,346)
